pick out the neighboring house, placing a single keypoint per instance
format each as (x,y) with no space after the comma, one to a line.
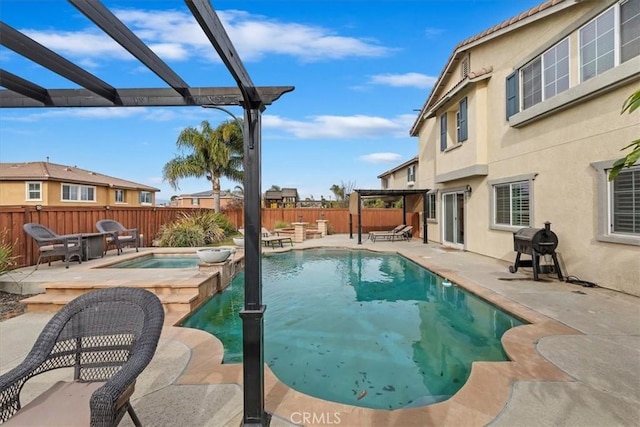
(522,126)
(204,199)
(50,184)
(401,177)
(284,198)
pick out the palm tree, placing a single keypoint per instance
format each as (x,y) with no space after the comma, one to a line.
(211,153)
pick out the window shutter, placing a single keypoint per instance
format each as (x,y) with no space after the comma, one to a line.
(512,94)
(443,132)
(462,133)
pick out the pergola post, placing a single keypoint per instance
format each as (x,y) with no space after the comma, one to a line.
(359,219)
(424,218)
(253,313)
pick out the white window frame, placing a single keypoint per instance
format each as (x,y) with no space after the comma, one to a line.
(432,207)
(545,64)
(122,198)
(411,173)
(143,195)
(28,191)
(195,201)
(617,47)
(605,206)
(79,190)
(529,178)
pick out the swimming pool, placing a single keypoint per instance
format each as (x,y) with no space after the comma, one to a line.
(159,261)
(362,328)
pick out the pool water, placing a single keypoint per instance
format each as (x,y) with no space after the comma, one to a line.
(159,261)
(361,328)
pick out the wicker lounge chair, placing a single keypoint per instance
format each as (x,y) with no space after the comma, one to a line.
(108,336)
(51,244)
(119,236)
(403,234)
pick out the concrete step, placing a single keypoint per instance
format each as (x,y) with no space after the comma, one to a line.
(46,302)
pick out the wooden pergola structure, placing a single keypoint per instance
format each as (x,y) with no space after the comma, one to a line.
(92,91)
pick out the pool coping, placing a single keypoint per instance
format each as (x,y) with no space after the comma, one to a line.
(480,400)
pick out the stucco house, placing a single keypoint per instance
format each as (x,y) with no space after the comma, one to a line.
(51,184)
(204,200)
(521,128)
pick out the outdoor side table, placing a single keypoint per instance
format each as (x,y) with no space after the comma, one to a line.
(92,245)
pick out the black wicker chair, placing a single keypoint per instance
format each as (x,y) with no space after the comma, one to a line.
(119,236)
(108,336)
(51,244)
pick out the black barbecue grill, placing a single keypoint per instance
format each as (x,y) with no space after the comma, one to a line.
(536,242)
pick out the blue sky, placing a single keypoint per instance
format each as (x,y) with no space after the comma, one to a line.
(361,69)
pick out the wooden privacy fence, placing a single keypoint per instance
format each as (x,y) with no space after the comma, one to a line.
(148,220)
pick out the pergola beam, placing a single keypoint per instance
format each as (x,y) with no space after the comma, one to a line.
(212,26)
(29,96)
(29,48)
(114,28)
(25,88)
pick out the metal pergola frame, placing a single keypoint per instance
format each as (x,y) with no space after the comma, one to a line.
(19,92)
(390,193)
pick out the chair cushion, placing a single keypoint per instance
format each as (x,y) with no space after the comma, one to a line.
(63,404)
(47,248)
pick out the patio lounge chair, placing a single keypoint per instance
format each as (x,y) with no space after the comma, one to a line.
(51,244)
(394,230)
(402,234)
(269,239)
(108,336)
(119,236)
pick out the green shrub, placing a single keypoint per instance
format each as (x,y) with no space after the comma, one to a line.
(7,259)
(198,228)
(282,224)
(180,235)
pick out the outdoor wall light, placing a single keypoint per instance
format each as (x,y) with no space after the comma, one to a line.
(469,189)
(107,207)
(38,208)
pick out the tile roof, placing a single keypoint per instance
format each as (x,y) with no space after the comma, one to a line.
(504,24)
(46,171)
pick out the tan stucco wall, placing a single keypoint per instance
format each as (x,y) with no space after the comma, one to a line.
(397,180)
(558,148)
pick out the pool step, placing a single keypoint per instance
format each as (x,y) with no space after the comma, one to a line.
(181,296)
(51,303)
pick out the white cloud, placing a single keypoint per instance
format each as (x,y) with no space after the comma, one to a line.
(432,33)
(381,158)
(175,35)
(340,127)
(418,80)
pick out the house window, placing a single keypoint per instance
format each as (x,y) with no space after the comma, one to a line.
(78,193)
(461,120)
(618,204)
(610,39)
(544,77)
(145,197)
(512,204)
(411,173)
(624,203)
(120,196)
(431,206)
(443,132)
(34,191)
(195,201)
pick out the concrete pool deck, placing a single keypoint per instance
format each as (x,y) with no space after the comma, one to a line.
(578,364)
